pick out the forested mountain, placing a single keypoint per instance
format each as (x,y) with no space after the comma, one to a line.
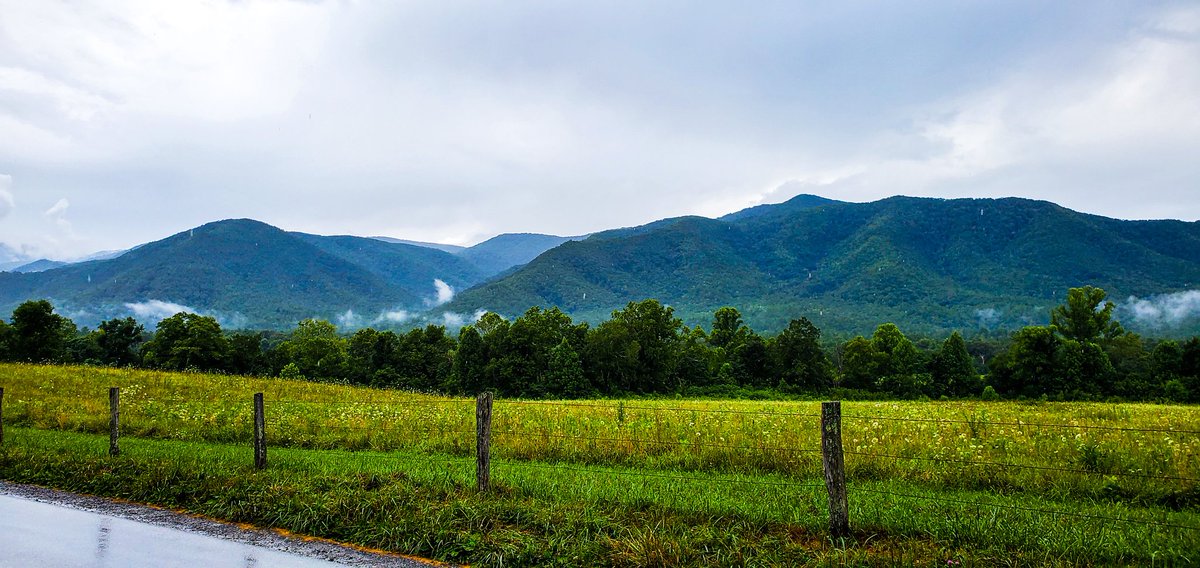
(250,273)
(499,253)
(505,251)
(453,249)
(927,264)
(39,265)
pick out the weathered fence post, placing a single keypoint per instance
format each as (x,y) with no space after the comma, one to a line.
(260,433)
(483,441)
(1,416)
(835,468)
(114,421)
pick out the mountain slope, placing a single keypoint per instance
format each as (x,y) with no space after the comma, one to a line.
(507,250)
(410,267)
(929,264)
(251,273)
(39,265)
(452,249)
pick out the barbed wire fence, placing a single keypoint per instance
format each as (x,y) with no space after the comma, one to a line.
(840,487)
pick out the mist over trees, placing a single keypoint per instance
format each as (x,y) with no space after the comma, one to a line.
(644,349)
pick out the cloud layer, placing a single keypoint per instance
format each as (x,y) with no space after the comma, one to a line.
(1164,311)
(449,122)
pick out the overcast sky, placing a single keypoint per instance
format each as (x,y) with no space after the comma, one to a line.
(124,122)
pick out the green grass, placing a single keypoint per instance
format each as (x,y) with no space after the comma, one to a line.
(636,483)
(542,513)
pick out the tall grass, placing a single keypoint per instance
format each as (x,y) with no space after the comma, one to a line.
(923,476)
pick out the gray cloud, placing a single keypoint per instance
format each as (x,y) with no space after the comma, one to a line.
(447,122)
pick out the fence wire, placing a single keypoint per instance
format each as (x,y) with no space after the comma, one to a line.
(1023,424)
(1027,509)
(1023,466)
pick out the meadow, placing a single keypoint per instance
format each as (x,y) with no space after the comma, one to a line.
(645,482)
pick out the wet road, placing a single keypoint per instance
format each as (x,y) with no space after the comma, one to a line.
(45,527)
(43,534)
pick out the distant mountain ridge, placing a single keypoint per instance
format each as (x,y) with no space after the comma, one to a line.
(930,265)
(255,275)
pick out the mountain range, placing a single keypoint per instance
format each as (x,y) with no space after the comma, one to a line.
(929,265)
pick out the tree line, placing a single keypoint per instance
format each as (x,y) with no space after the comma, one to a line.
(643,349)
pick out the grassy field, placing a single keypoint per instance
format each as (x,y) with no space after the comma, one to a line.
(635,482)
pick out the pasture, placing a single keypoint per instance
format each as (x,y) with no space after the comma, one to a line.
(930,482)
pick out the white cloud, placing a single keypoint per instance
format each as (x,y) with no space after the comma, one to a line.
(349,320)
(397,316)
(987,317)
(6,197)
(444,293)
(157,310)
(1163,311)
(58,208)
(454,320)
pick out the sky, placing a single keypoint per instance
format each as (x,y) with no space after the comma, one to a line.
(123,122)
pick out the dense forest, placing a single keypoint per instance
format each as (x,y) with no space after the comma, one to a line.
(1082,353)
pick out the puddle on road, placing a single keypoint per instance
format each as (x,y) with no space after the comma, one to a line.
(33,533)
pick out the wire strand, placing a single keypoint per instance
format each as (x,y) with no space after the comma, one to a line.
(1029,509)
(668,408)
(660,442)
(1032,424)
(654,475)
(1042,467)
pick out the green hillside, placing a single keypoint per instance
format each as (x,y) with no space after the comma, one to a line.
(505,251)
(927,264)
(251,273)
(409,267)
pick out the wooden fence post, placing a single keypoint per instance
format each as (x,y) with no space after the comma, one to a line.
(1,416)
(260,434)
(835,468)
(114,421)
(483,441)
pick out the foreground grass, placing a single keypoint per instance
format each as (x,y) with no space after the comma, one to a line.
(634,482)
(575,515)
(1127,453)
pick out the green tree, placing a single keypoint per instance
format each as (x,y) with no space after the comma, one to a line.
(797,358)
(7,336)
(186,341)
(1030,367)
(1189,367)
(424,358)
(744,350)
(952,370)
(696,362)
(1132,374)
(728,329)
(245,355)
(1086,316)
(316,349)
(372,358)
(635,350)
(38,334)
(861,362)
(901,364)
(118,340)
(470,362)
(565,375)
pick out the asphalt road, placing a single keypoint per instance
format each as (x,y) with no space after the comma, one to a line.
(41,527)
